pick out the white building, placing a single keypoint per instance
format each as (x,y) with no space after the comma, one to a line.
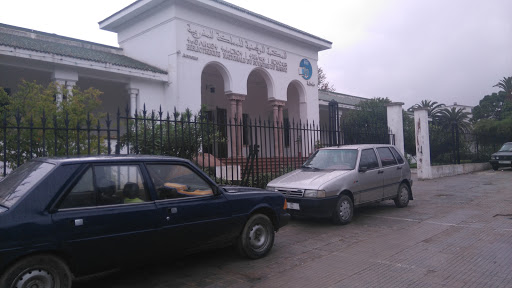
(222,56)
(183,54)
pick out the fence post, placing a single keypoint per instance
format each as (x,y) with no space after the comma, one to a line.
(334,119)
(396,124)
(422,141)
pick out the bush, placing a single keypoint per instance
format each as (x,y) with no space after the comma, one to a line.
(32,124)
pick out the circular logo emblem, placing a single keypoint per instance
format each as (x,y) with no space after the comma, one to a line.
(305,69)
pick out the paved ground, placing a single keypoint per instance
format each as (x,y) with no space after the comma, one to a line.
(456,233)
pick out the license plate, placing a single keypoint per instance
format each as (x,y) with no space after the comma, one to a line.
(504,162)
(294,206)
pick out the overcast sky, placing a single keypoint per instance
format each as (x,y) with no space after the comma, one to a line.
(442,50)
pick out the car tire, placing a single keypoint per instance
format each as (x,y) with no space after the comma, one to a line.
(344,210)
(43,270)
(495,167)
(257,237)
(402,198)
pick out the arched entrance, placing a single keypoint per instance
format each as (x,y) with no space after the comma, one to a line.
(258,113)
(292,137)
(215,80)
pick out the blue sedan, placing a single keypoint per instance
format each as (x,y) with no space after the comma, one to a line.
(70,217)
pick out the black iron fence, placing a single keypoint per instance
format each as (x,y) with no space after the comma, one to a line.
(450,145)
(242,151)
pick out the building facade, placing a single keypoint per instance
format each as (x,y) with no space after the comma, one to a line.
(222,57)
(188,54)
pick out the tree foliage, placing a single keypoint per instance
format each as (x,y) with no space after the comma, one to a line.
(182,134)
(492,106)
(433,107)
(368,121)
(454,117)
(323,84)
(505,85)
(32,124)
(409,134)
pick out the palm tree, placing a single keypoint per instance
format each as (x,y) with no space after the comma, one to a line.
(453,117)
(457,121)
(433,107)
(506,85)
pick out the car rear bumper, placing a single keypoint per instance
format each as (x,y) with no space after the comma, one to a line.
(313,207)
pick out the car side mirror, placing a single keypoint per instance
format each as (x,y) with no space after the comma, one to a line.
(363,169)
(217,191)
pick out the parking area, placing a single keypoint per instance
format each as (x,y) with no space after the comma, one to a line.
(456,233)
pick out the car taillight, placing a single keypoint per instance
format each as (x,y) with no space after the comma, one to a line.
(285,206)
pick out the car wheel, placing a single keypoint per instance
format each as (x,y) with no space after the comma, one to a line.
(257,238)
(344,211)
(402,199)
(495,167)
(42,271)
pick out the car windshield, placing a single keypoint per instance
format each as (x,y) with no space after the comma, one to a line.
(506,148)
(21,180)
(335,159)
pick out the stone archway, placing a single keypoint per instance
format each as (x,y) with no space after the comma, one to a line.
(293,111)
(260,89)
(215,81)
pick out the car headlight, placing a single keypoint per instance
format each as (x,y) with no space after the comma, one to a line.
(271,188)
(314,193)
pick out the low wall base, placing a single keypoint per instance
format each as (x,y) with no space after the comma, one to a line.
(457,169)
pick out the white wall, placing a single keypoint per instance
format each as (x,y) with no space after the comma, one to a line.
(162,37)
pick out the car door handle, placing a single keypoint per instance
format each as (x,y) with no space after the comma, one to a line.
(380,172)
(172,210)
(399,168)
(79,222)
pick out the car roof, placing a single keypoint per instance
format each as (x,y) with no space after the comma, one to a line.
(357,146)
(107,158)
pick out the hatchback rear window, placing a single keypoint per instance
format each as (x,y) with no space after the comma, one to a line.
(18,183)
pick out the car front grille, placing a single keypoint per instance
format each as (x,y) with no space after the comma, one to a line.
(504,157)
(291,192)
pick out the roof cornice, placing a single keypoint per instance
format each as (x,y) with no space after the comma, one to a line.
(118,19)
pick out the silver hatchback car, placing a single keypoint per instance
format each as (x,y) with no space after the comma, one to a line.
(335,180)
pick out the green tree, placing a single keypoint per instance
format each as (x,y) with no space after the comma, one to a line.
(433,107)
(492,106)
(505,85)
(368,123)
(453,117)
(35,124)
(182,134)
(323,84)
(409,136)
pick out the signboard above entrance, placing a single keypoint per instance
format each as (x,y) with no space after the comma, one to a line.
(219,44)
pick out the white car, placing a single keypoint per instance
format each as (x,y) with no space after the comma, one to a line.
(335,180)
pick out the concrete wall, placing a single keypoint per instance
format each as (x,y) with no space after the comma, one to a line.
(452,170)
(425,169)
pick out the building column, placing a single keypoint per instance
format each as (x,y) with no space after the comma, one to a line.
(134,94)
(422,140)
(396,124)
(60,84)
(65,79)
(236,118)
(277,114)
(69,87)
